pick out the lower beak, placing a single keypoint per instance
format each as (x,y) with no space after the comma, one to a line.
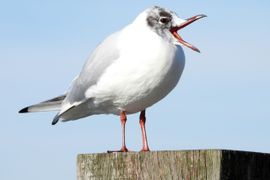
(181,26)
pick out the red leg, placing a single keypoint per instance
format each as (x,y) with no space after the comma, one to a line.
(123,119)
(144,137)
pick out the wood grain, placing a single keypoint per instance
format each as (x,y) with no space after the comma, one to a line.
(185,165)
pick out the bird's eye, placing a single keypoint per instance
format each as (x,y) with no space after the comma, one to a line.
(164,20)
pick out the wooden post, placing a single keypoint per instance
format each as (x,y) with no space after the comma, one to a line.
(185,165)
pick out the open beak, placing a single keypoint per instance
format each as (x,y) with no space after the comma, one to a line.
(186,23)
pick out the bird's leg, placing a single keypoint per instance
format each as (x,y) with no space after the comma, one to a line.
(144,137)
(123,119)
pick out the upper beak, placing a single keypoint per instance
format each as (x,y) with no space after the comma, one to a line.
(184,24)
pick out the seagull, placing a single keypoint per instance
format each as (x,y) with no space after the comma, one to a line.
(129,71)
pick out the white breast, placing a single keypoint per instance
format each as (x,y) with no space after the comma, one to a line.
(148,69)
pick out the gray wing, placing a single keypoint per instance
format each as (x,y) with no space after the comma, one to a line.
(101,58)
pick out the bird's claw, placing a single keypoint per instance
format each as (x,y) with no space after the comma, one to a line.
(123,149)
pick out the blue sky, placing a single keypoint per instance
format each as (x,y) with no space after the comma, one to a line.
(222,100)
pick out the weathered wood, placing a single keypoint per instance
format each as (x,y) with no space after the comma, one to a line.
(186,165)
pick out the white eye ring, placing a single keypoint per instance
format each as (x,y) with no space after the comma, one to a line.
(164,20)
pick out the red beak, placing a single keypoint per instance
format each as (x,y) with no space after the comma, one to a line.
(186,23)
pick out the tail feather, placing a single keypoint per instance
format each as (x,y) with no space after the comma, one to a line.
(49,105)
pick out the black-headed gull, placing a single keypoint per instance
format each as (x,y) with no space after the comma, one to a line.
(128,72)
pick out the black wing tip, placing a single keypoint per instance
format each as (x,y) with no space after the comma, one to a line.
(24,110)
(58,116)
(55,119)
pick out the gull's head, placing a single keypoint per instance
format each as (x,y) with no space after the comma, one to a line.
(166,24)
